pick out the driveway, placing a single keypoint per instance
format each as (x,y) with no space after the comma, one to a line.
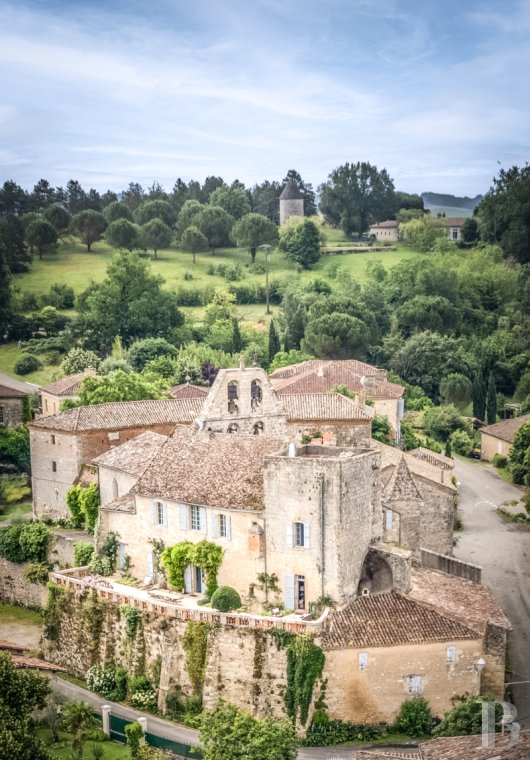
(502,549)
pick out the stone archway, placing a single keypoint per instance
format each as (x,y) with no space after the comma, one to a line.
(376,575)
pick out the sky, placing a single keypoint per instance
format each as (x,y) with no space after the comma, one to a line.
(438,93)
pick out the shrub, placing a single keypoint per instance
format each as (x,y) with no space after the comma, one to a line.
(60,296)
(83,553)
(26,364)
(10,547)
(441,421)
(34,539)
(414,717)
(101,680)
(462,443)
(226,598)
(324,733)
(38,572)
(499,460)
(466,716)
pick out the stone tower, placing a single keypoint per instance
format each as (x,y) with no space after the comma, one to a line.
(291,202)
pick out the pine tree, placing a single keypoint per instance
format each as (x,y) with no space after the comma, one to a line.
(479,400)
(491,401)
(274,341)
(237,343)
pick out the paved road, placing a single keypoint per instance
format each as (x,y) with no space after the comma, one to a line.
(503,551)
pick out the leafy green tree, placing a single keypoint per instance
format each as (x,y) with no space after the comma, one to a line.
(237,341)
(189,215)
(356,195)
(382,429)
(424,359)
(79,720)
(215,224)
(266,199)
(156,235)
(491,400)
(461,442)
(523,387)
(423,233)
(14,447)
(228,731)
(479,397)
(121,386)
(59,217)
(465,717)
(6,294)
(504,213)
(22,692)
(79,359)
(117,210)
(434,313)
(234,200)
(336,336)
(155,209)
(12,239)
(88,226)
(253,230)
(441,421)
(122,234)
(129,302)
(301,242)
(520,455)
(143,351)
(470,232)
(41,235)
(193,240)
(274,341)
(456,389)
(414,718)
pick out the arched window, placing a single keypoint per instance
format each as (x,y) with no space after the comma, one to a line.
(258,428)
(233,394)
(233,428)
(115,492)
(256,394)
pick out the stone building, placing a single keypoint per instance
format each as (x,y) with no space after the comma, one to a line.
(291,202)
(13,395)
(65,389)
(61,444)
(499,438)
(385,231)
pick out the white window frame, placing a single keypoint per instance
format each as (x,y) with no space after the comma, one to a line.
(416,684)
(195,517)
(451,654)
(389,519)
(363,660)
(159,512)
(223,528)
(298,533)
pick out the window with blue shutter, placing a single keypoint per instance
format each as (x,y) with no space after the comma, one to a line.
(213,525)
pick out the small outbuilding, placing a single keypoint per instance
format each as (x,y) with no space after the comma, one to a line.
(499,438)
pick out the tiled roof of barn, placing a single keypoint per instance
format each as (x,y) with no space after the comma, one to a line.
(125,503)
(324,406)
(210,469)
(322,377)
(507,429)
(122,414)
(391,456)
(134,456)
(470,748)
(66,386)
(188,390)
(458,599)
(361,368)
(391,619)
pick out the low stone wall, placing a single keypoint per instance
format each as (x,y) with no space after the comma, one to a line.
(451,566)
(15,587)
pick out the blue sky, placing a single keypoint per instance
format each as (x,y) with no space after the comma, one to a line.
(107,92)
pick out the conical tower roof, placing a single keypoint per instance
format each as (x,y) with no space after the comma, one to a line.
(291,192)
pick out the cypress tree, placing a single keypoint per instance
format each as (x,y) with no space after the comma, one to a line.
(479,400)
(448,451)
(237,343)
(274,342)
(491,401)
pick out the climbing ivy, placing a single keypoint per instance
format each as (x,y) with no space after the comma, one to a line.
(55,603)
(282,637)
(305,662)
(205,555)
(132,617)
(83,503)
(195,644)
(93,615)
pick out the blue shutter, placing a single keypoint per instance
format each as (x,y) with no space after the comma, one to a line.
(289,535)
(153,515)
(213,525)
(307,534)
(228,527)
(183,511)
(288,592)
(203,522)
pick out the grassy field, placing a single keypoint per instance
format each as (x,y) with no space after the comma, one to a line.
(63,750)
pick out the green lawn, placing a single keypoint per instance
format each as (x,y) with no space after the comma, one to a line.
(9,355)
(113,750)
(16,510)
(9,613)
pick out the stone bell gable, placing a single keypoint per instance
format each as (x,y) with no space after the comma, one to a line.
(242,400)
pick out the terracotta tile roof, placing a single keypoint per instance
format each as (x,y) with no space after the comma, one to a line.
(386,754)
(507,429)
(324,406)
(34,663)
(210,469)
(66,386)
(122,414)
(391,456)
(458,599)
(361,368)
(386,620)
(452,221)
(389,224)
(470,748)
(11,388)
(125,503)
(401,486)
(438,460)
(134,456)
(323,376)
(188,390)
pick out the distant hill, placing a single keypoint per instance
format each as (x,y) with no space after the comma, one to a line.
(445,202)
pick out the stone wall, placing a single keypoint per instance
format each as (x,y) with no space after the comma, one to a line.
(15,587)
(451,566)
(340,433)
(12,412)
(489,446)
(289,208)
(493,675)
